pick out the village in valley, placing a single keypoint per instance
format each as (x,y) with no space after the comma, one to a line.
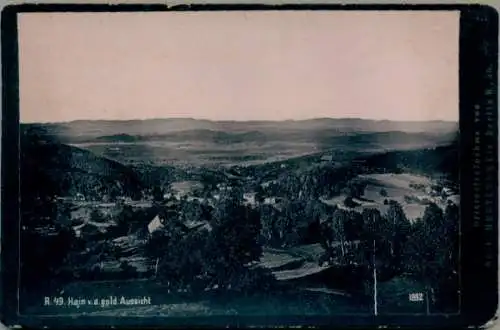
(342,225)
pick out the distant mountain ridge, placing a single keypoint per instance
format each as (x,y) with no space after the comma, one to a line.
(84,130)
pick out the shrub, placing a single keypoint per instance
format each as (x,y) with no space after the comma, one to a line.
(253,280)
(127,269)
(411,199)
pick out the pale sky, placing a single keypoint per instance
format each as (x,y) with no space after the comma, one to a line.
(239,65)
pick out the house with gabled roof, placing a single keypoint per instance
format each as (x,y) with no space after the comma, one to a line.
(155,224)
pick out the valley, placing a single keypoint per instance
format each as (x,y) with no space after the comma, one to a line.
(298,209)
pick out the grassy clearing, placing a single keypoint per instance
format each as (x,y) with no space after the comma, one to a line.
(397,187)
(273,259)
(309,251)
(306,269)
(402,181)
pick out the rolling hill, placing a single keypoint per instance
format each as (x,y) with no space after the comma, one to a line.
(325,138)
(49,168)
(443,159)
(85,131)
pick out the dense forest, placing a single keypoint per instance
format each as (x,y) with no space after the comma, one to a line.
(221,255)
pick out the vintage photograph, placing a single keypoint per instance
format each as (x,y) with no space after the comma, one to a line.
(239,163)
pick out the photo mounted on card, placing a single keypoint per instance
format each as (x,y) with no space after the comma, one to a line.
(249,165)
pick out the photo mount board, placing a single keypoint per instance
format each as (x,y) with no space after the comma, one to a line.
(478,56)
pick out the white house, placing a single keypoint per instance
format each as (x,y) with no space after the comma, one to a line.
(326,158)
(269,200)
(266,184)
(169,195)
(272,200)
(455,199)
(80,197)
(249,198)
(223,187)
(155,225)
(447,191)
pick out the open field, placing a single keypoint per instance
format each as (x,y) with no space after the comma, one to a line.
(397,187)
(242,153)
(168,153)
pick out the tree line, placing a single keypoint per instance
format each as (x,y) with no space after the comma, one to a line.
(221,254)
(218,256)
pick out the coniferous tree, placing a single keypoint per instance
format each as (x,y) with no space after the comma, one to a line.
(157,194)
(431,254)
(340,217)
(234,239)
(399,225)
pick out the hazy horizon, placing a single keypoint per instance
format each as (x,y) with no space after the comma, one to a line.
(239,121)
(239,66)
